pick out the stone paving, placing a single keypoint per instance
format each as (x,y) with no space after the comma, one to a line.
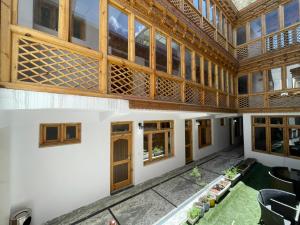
(146,203)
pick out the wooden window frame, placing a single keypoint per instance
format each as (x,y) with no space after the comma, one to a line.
(62,139)
(160,130)
(209,129)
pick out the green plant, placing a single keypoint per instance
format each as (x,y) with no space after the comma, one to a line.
(157,150)
(196,172)
(194,212)
(231,173)
(204,199)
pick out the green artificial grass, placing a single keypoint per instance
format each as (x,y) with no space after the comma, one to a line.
(240,206)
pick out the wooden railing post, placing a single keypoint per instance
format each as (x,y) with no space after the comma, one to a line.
(103,73)
(64,19)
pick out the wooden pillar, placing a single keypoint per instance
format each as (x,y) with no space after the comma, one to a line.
(131,44)
(103,73)
(64,20)
(152,63)
(193,66)
(263,33)
(183,73)
(6,16)
(169,55)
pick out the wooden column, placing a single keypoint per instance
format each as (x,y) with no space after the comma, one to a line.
(152,63)
(103,46)
(64,20)
(169,55)
(131,43)
(263,33)
(6,14)
(182,53)
(193,66)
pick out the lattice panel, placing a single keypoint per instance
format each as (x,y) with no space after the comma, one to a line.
(47,64)
(191,13)
(128,81)
(254,49)
(242,52)
(221,40)
(231,49)
(176,3)
(193,95)
(222,100)
(283,100)
(210,98)
(232,102)
(256,101)
(167,90)
(243,102)
(209,29)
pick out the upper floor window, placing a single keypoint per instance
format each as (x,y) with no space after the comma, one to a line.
(176,58)
(43,17)
(84,27)
(257,82)
(225,80)
(220,75)
(204,8)
(223,24)
(229,32)
(142,43)
(293,76)
(230,89)
(206,72)
(272,21)
(211,12)
(161,52)
(291,13)
(241,35)
(196,3)
(218,19)
(198,68)
(213,75)
(274,79)
(117,32)
(188,64)
(255,28)
(243,85)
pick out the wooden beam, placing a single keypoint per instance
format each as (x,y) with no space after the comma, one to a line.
(64,20)
(103,46)
(131,41)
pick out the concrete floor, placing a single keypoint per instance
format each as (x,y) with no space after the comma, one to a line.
(146,203)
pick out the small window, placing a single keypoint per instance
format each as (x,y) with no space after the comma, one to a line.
(294,120)
(176,59)
(204,133)
(260,120)
(142,44)
(255,28)
(161,52)
(257,82)
(188,64)
(291,13)
(121,128)
(220,75)
(241,35)
(274,79)
(117,32)
(293,76)
(150,126)
(59,134)
(276,120)
(272,21)
(213,75)
(243,85)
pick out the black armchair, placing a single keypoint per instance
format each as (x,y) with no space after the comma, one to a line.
(280,184)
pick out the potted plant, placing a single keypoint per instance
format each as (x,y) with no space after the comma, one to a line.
(232,174)
(157,151)
(205,202)
(212,200)
(193,215)
(200,206)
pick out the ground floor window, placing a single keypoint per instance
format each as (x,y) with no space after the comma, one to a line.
(204,133)
(278,135)
(59,134)
(158,140)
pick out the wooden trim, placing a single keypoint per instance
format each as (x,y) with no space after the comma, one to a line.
(103,34)
(64,19)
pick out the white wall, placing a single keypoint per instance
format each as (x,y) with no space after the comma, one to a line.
(4,168)
(266,159)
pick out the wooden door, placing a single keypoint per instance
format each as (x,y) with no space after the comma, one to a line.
(188,141)
(121,150)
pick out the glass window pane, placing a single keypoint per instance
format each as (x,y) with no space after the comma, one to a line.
(272,21)
(243,85)
(293,76)
(206,77)
(120,128)
(213,75)
(198,69)
(229,32)
(294,120)
(218,19)
(223,24)
(225,81)
(257,82)
(260,138)
(150,126)
(229,83)
(142,44)
(211,12)
(40,15)
(220,74)
(255,28)
(274,79)
(52,133)
(291,13)
(175,58)
(161,52)
(146,150)
(158,145)
(71,132)
(196,3)
(204,12)
(260,120)
(276,120)
(188,64)
(294,142)
(85,23)
(165,125)
(277,144)
(118,32)
(241,35)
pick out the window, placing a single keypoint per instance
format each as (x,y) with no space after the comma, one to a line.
(225,81)
(243,85)
(257,82)
(259,133)
(230,88)
(211,12)
(241,35)
(272,21)
(274,79)
(255,28)
(176,59)
(223,24)
(276,135)
(196,3)
(43,17)
(291,13)
(293,76)
(206,72)
(142,43)
(204,133)
(294,136)
(222,122)
(59,134)
(229,32)
(161,52)
(213,75)
(84,27)
(188,64)
(218,19)
(117,32)
(158,140)
(220,75)
(198,68)
(204,8)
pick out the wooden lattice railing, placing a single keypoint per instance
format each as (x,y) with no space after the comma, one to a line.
(221,40)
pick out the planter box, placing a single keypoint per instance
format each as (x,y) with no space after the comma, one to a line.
(193,221)
(234,180)
(201,207)
(220,193)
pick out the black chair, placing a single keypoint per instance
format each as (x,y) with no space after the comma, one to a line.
(280,184)
(273,212)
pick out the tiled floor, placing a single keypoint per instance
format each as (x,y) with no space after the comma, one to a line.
(148,202)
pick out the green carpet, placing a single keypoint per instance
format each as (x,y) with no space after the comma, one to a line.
(240,206)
